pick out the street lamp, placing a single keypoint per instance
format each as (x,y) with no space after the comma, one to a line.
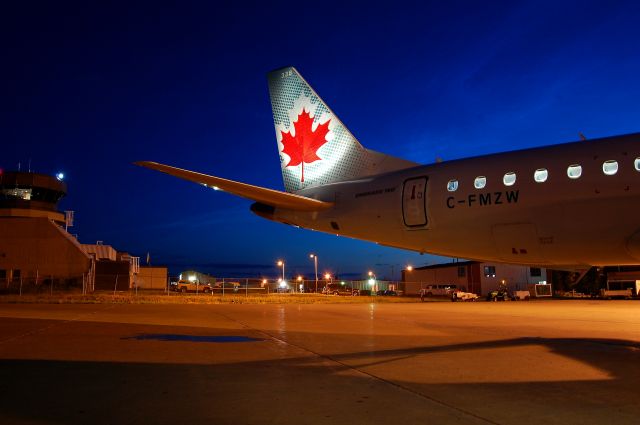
(327,277)
(280,263)
(372,279)
(315,262)
(409,268)
(300,284)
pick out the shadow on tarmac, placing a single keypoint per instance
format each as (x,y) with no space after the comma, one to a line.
(313,390)
(194,338)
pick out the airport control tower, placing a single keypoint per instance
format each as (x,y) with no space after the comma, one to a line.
(32,195)
(35,248)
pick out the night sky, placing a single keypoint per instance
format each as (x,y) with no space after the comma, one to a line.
(89,89)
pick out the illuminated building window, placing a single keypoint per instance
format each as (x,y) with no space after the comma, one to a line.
(509,179)
(610,167)
(489,271)
(574,171)
(24,194)
(541,175)
(636,164)
(480,182)
(452,185)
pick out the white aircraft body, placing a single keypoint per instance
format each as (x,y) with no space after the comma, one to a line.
(565,206)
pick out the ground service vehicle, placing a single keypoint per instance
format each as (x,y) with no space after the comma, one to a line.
(615,293)
(498,295)
(520,295)
(463,296)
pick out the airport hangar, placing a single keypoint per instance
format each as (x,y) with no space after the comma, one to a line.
(36,250)
(477,277)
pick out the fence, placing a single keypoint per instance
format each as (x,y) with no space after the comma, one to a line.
(89,282)
(239,286)
(46,284)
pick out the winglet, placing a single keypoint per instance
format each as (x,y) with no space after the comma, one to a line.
(263,195)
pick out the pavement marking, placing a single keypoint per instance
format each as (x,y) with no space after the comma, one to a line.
(359,371)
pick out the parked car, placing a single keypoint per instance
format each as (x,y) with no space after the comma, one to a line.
(185,286)
(226,286)
(387,293)
(339,289)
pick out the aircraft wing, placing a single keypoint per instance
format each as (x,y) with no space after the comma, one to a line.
(263,195)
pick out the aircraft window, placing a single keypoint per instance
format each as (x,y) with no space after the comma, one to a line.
(574,171)
(480,182)
(541,175)
(509,179)
(610,167)
(452,185)
(636,164)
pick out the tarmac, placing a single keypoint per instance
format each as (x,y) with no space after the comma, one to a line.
(552,362)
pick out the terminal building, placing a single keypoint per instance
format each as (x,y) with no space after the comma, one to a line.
(36,250)
(473,276)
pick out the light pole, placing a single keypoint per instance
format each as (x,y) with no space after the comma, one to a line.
(327,277)
(315,262)
(372,280)
(405,278)
(280,263)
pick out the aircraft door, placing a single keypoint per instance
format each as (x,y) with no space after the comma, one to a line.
(414,202)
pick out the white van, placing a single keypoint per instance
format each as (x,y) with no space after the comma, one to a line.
(438,290)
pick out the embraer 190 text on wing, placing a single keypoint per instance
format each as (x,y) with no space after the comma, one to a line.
(569,205)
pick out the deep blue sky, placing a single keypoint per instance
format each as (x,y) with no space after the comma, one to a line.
(89,89)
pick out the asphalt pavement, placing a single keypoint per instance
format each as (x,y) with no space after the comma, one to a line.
(553,362)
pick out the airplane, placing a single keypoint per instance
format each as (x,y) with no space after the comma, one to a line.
(568,206)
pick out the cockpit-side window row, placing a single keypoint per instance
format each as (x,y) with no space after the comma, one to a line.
(574,171)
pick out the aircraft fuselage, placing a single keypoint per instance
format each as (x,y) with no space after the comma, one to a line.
(561,221)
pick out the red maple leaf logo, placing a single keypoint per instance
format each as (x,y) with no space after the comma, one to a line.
(303,147)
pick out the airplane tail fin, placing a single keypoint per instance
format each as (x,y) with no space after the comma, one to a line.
(315,147)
